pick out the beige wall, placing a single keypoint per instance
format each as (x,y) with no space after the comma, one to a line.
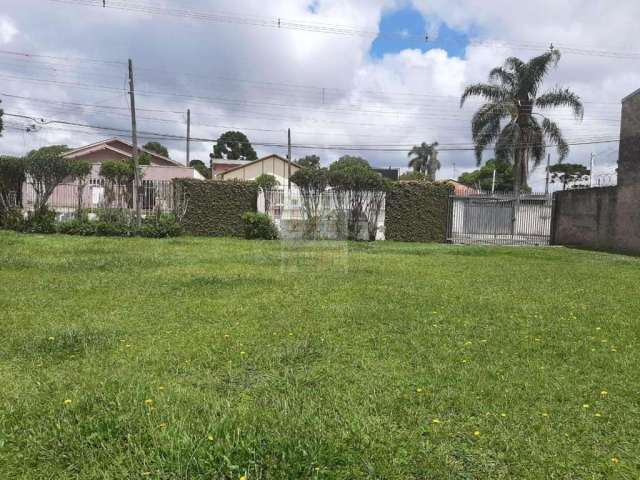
(269,166)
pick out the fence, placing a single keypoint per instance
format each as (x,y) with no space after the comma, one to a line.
(96,194)
(324,216)
(502,219)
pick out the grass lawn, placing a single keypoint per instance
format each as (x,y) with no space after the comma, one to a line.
(219,358)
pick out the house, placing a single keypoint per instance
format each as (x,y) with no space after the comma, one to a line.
(274,165)
(156,179)
(159,168)
(221,165)
(460,189)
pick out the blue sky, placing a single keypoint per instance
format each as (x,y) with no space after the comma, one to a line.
(395,24)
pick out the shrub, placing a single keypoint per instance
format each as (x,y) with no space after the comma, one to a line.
(162,226)
(77,227)
(215,207)
(41,221)
(11,219)
(258,226)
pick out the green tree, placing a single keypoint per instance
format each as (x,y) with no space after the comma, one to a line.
(310,161)
(46,169)
(201,168)
(12,176)
(424,159)
(571,175)
(119,177)
(311,181)
(1,122)
(512,95)
(483,177)
(234,146)
(157,147)
(79,171)
(357,186)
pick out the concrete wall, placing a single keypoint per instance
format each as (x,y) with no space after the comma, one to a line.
(606,218)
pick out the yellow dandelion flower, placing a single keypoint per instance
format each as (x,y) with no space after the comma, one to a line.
(148,401)
(435,420)
(615,460)
(586,405)
(476,433)
(545,414)
(210,438)
(598,329)
(291,334)
(503,414)
(468,343)
(597,415)
(67,402)
(243,353)
(51,338)
(604,393)
(419,390)
(243,477)
(161,387)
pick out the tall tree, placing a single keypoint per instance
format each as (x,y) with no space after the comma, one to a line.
(572,175)
(234,146)
(157,147)
(424,159)
(201,168)
(310,161)
(483,177)
(1,115)
(46,169)
(508,118)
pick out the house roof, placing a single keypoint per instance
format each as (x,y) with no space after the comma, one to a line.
(633,94)
(258,161)
(106,144)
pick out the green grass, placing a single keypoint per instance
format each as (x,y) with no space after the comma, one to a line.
(217,358)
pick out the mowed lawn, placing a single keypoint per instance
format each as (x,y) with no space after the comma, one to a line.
(219,358)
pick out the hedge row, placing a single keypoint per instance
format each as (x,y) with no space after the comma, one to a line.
(417,212)
(214,207)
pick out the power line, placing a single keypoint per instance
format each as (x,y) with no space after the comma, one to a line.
(367,147)
(318,27)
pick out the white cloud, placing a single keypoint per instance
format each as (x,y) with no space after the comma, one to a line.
(325,87)
(8,30)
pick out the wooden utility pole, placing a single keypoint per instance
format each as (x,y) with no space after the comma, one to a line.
(134,143)
(546,182)
(289,158)
(188,136)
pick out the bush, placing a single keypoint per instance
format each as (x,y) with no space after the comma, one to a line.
(163,226)
(11,219)
(42,221)
(258,226)
(417,212)
(215,207)
(153,227)
(77,227)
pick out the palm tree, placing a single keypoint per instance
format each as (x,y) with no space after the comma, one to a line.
(424,159)
(512,96)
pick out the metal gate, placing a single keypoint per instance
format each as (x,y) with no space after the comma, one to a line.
(500,219)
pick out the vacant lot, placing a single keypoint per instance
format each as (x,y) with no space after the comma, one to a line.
(208,358)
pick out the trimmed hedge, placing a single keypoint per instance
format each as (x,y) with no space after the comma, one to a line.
(417,212)
(215,207)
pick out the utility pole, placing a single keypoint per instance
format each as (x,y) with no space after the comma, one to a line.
(289,158)
(546,181)
(493,182)
(592,164)
(134,143)
(188,135)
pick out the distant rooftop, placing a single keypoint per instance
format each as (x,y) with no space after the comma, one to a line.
(628,97)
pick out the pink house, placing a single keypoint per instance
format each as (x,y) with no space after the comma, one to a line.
(156,177)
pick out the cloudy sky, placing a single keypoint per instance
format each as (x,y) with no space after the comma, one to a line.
(342,74)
